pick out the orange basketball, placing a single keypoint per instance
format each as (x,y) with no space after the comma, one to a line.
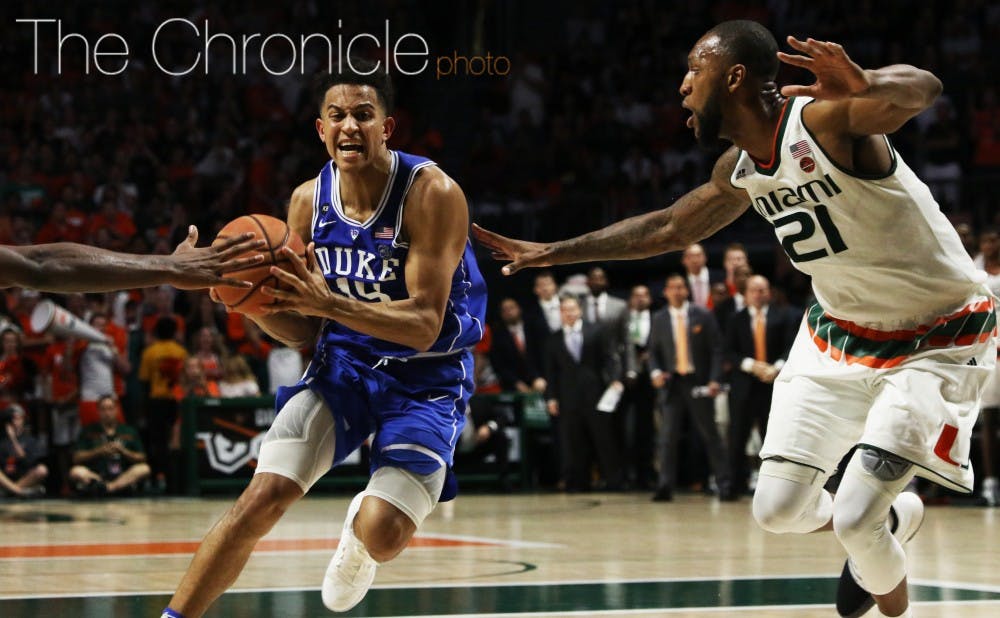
(276,235)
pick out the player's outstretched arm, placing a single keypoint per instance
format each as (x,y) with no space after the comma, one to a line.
(436,225)
(860,101)
(693,217)
(71,267)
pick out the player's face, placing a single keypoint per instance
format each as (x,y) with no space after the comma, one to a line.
(701,91)
(353,125)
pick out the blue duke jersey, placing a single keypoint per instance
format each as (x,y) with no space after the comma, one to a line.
(365,260)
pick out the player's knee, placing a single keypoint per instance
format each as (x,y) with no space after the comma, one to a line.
(775,515)
(789,498)
(41,471)
(264,501)
(384,529)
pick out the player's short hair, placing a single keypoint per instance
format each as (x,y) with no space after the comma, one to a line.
(361,72)
(750,44)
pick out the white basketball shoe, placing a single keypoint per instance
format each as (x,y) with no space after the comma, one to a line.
(351,570)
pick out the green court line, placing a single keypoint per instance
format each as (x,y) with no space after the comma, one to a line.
(507,599)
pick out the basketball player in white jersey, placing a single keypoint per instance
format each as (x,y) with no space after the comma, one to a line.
(894,355)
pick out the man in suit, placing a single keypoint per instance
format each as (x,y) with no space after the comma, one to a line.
(600,307)
(726,308)
(635,411)
(580,364)
(686,354)
(758,340)
(699,277)
(513,352)
(544,312)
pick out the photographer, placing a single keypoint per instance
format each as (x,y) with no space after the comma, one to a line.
(22,473)
(109,458)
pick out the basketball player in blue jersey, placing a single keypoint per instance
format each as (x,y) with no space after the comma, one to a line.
(391,285)
(894,355)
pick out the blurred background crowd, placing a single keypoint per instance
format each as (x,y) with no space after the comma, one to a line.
(586,129)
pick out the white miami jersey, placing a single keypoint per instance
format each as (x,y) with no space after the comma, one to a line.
(880,252)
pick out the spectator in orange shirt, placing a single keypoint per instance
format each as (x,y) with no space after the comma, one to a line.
(208,348)
(194,382)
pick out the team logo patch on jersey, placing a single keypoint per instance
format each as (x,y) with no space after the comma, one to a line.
(384,232)
(807,164)
(354,233)
(740,173)
(384,252)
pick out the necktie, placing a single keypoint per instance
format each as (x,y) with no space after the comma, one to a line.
(593,309)
(681,345)
(759,338)
(575,344)
(519,341)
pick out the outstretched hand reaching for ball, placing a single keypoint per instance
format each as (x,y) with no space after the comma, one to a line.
(305,290)
(201,267)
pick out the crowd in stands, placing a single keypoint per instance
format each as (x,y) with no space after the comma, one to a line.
(585,130)
(154,358)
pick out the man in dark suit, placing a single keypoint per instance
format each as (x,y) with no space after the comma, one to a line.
(598,306)
(580,365)
(686,361)
(514,351)
(635,411)
(758,340)
(736,302)
(699,277)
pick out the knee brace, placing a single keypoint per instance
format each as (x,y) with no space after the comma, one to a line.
(871,482)
(790,498)
(414,494)
(301,442)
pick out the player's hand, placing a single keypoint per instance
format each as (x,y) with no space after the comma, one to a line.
(308,292)
(837,76)
(520,253)
(202,267)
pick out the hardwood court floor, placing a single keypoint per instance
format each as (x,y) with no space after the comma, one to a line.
(519,555)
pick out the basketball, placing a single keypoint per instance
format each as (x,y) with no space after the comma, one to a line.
(277,235)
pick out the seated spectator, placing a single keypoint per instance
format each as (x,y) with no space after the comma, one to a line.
(21,453)
(109,458)
(237,378)
(484,440)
